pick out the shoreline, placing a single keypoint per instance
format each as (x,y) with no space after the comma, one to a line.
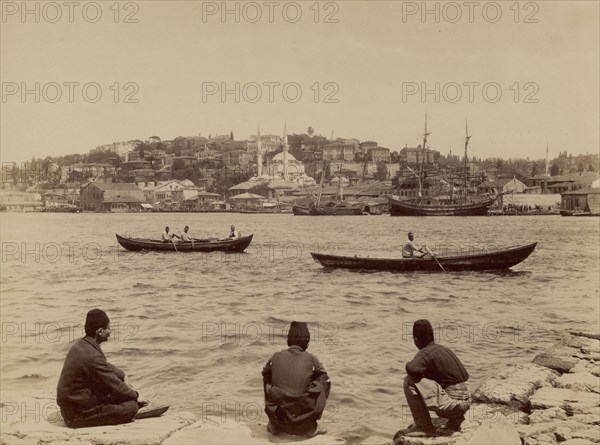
(554,399)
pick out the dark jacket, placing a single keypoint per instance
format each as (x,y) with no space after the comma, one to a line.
(88,380)
(296,387)
(438,363)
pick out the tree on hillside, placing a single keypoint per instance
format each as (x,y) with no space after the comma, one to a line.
(554,169)
(381,172)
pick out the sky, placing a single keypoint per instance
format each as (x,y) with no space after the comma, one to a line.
(524,75)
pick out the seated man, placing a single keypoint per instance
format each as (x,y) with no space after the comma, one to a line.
(410,247)
(437,381)
(233,233)
(296,386)
(91,391)
(184,236)
(166,236)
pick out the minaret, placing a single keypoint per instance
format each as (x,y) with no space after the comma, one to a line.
(285,151)
(547,160)
(259,159)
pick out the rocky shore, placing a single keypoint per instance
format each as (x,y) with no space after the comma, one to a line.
(553,400)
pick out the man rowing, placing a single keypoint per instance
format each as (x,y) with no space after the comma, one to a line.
(91,391)
(166,237)
(234,233)
(410,249)
(184,236)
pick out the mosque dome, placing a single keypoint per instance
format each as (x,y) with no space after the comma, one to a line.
(279,157)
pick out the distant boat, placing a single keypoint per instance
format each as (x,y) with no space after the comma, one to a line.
(337,208)
(578,213)
(487,261)
(198,245)
(341,209)
(455,206)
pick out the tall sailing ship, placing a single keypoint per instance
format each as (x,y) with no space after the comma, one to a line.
(461,205)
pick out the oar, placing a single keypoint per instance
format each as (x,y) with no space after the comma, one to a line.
(433,256)
(173,241)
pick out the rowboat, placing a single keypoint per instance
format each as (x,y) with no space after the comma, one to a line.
(197,245)
(491,260)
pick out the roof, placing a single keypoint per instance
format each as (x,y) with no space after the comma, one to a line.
(279,157)
(585,191)
(498,182)
(562,184)
(248,196)
(119,186)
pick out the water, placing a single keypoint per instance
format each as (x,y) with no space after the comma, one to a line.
(194,330)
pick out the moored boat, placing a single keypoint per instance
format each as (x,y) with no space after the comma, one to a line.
(485,261)
(337,210)
(197,245)
(462,205)
(435,208)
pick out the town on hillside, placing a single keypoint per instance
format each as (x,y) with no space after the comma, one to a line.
(270,173)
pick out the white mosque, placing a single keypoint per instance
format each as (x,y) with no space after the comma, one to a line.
(283,174)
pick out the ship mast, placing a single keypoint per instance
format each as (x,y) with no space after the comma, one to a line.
(467,137)
(422,172)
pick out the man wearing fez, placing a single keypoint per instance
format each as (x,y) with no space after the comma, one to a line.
(91,391)
(296,386)
(437,381)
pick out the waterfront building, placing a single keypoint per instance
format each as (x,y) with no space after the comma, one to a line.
(17,201)
(587,199)
(110,197)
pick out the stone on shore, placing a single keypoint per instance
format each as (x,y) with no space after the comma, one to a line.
(579,381)
(547,415)
(515,385)
(215,431)
(52,430)
(499,431)
(561,359)
(569,400)
(586,334)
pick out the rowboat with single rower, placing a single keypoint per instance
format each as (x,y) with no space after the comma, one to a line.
(484,261)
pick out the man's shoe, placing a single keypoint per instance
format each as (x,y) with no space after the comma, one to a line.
(414,431)
(454,424)
(318,430)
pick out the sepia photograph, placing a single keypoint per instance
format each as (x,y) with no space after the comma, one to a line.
(300,222)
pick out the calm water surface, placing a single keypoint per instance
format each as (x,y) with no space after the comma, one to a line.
(194,330)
